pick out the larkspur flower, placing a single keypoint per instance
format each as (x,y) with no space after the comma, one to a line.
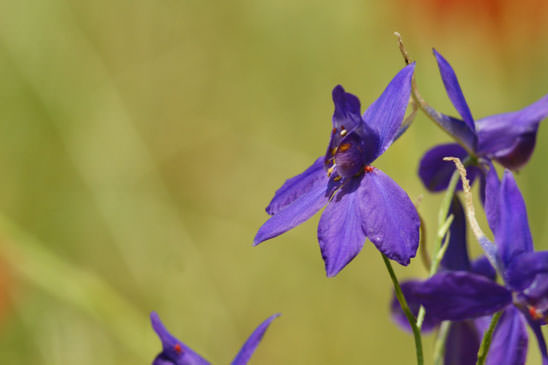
(461,295)
(176,352)
(463,337)
(507,138)
(361,200)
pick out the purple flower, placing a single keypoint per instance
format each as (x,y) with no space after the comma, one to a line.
(177,353)
(508,138)
(464,337)
(461,295)
(361,200)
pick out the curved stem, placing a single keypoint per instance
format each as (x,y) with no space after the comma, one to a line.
(406,310)
(487,337)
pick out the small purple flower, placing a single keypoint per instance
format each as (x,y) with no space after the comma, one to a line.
(361,200)
(461,295)
(177,353)
(508,138)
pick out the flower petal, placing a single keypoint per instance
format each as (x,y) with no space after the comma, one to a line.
(454,127)
(251,343)
(435,173)
(537,292)
(462,344)
(340,231)
(347,112)
(298,185)
(522,270)
(294,214)
(453,90)
(386,114)
(540,341)
(391,220)
(483,267)
(174,351)
(456,256)
(510,340)
(458,295)
(510,137)
(397,314)
(512,233)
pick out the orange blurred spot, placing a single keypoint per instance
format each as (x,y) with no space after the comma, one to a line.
(344,147)
(367,169)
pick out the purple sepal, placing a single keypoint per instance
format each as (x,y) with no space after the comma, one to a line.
(483,267)
(456,256)
(297,186)
(340,230)
(430,323)
(462,344)
(390,218)
(251,343)
(174,351)
(522,270)
(537,292)
(510,340)
(535,326)
(435,173)
(510,137)
(386,114)
(511,232)
(457,295)
(455,127)
(453,90)
(294,214)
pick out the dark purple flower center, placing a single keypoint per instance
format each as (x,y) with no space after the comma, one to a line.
(349,156)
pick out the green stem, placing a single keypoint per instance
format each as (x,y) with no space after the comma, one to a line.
(439,347)
(406,310)
(487,337)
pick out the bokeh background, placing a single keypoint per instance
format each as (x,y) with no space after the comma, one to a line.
(141,140)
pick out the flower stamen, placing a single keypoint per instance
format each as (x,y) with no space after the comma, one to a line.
(535,313)
(330,170)
(367,169)
(178,349)
(344,147)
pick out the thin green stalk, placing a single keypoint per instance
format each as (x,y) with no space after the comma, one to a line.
(487,337)
(439,347)
(408,314)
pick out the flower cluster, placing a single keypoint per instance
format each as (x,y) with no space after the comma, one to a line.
(495,297)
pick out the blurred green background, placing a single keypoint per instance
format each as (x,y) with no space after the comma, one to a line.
(141,140)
